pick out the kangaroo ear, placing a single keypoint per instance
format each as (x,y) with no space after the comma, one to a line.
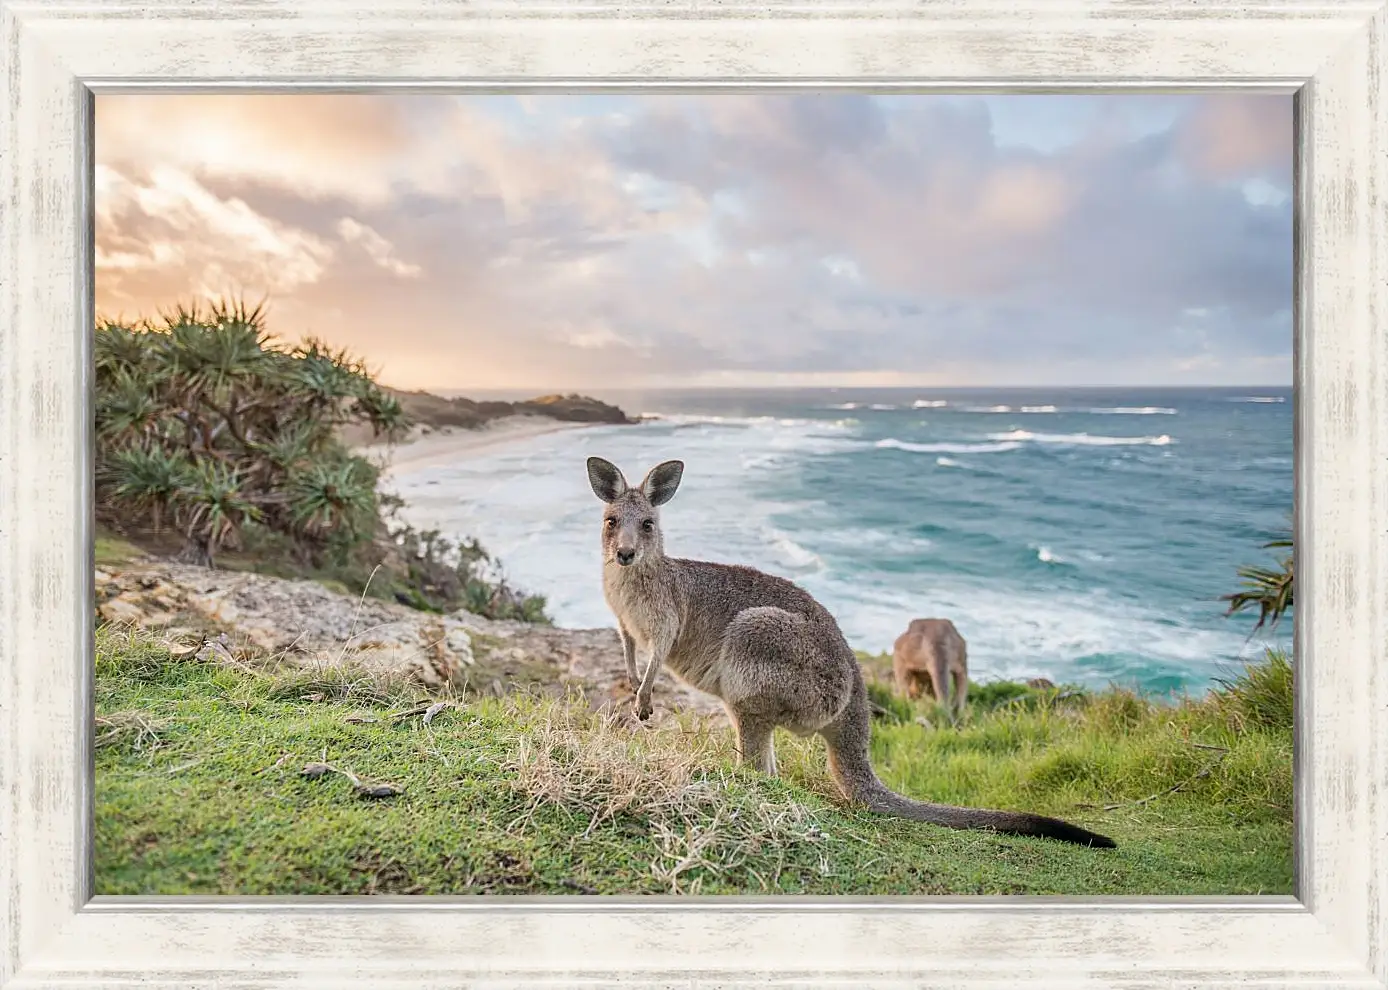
(663,481)
(608,483)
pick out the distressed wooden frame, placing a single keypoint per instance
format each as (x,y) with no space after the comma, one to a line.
(54,55)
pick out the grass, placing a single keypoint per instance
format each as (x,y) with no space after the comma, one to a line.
(200,789)
(113,551)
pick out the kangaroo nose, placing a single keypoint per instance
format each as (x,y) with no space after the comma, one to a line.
(625,557)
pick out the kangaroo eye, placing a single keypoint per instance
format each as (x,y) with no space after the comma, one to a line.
(611,522)
(647,525)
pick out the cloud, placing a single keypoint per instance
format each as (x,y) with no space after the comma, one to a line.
(1239,136)
(319,146)
(377,248)
(169,233)
(557,241)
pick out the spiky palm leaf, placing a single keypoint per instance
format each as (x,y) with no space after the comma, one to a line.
(384,412)
(213,357)
(122,347)
(146,479)
(335,497)
(322,385)
(127,407)
(287,448)
(214,506)
(222,312)
(315,347)
(1269,589)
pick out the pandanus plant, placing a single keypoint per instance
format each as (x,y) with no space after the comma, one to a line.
(204,421)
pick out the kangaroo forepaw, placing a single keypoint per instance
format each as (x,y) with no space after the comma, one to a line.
(643,708)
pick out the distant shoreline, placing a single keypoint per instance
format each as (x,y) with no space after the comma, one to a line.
(462,443)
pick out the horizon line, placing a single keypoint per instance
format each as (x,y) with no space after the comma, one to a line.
(577,389)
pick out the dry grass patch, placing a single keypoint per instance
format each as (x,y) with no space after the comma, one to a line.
(704,818)
(133,731)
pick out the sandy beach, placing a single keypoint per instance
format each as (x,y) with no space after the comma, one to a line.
(456,443)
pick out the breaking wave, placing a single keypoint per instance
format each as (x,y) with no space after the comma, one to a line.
(892,443)
(1080,439)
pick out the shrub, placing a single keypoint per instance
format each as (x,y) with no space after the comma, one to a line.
(208,426)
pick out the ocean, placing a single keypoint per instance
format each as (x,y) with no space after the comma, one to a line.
(1083,535)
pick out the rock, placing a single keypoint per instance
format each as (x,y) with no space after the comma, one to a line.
(215,606)
(157,619)
(459,641)
(1041,684)
(120,611)
(301,622)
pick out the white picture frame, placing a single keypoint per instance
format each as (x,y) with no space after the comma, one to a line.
(54,55)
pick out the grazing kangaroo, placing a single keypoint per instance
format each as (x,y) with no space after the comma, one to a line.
(931,656)
(769,651)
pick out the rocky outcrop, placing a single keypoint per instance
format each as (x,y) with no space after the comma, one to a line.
(267,620)
(430,414)
(437,412)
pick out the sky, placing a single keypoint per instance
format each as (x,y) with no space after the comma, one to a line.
(642,241)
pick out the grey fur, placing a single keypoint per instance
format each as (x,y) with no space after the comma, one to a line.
(931,656)
(769,651)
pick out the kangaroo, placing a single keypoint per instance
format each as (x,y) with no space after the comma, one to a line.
(931,656)
(772,654)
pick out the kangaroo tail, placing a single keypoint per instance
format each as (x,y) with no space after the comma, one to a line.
(877,797)
(851,769)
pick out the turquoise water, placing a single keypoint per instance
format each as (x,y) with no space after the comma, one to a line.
(1080,534)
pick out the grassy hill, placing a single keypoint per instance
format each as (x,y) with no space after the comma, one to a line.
(201,789)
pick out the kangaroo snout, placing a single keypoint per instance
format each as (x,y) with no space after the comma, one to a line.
(625,557)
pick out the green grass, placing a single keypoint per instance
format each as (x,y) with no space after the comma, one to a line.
(112,551)
(200,790)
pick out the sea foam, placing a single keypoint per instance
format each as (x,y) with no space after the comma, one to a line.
(1079,439)
(1132,411)
(892,443)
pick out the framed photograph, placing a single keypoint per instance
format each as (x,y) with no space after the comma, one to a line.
(597,494)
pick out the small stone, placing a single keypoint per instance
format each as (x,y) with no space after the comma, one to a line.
(378,790)
(180,651)
(434,709)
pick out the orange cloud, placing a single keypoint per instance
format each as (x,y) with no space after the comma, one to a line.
(168,236)
(1238,136)
(314,145)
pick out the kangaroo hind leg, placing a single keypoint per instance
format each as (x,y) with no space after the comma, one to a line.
(755,744)
(775,671)
(960,695)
